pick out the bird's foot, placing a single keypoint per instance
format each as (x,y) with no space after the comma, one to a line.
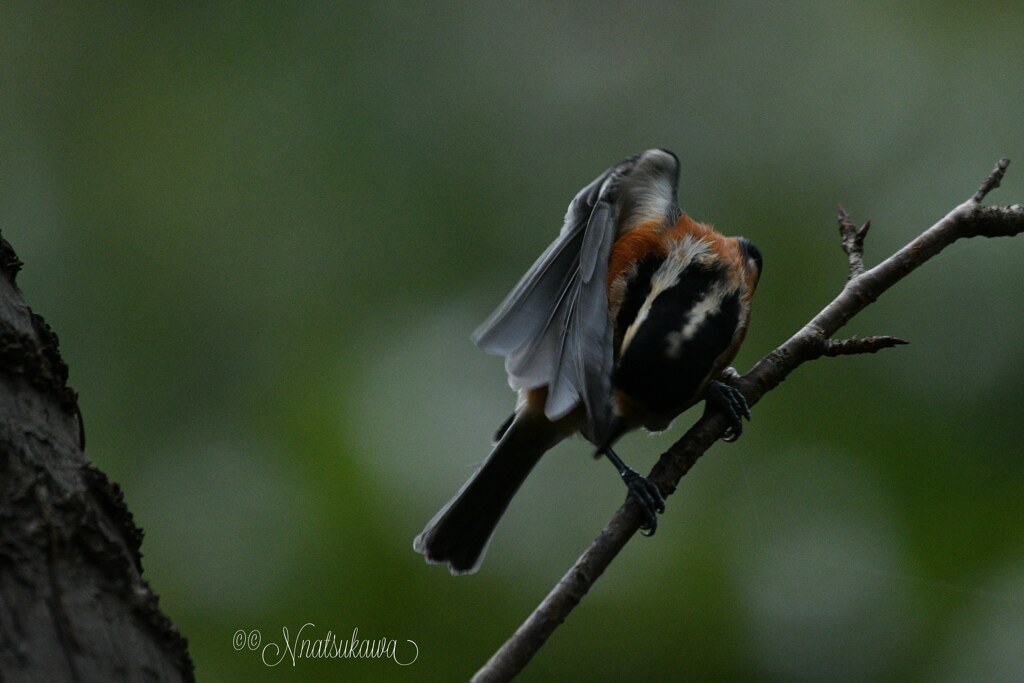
(730,401)
(647,496)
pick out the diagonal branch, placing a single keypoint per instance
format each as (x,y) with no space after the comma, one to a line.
(969,219)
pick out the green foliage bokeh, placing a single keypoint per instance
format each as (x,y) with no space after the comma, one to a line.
(265,232)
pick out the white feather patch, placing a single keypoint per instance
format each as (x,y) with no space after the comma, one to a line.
(649,192)
(681,254)
(707,306)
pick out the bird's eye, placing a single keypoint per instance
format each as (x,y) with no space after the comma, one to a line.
(751,254)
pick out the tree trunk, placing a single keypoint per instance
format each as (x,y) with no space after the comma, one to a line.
(73,603)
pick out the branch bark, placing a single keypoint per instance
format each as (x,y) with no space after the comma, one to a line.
(814,340)
(73,603)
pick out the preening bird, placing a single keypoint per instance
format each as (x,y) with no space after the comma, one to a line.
(626,320)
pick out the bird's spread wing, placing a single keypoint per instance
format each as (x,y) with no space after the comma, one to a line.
(553,328)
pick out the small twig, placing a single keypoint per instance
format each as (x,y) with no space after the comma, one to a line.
(852,240)
(995,178)
(858,345)
(969,219)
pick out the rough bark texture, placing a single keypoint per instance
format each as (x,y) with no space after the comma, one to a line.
(73,603)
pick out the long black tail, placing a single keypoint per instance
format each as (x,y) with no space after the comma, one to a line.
(458,535)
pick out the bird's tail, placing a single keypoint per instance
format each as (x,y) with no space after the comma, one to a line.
(458,535)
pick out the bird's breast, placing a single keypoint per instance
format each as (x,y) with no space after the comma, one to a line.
(678,313)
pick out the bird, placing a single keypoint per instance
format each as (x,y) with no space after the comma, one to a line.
(631,315)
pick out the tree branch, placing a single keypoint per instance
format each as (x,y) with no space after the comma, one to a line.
(814,340)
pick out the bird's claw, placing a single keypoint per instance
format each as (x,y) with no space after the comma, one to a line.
(730,401)
(648,497)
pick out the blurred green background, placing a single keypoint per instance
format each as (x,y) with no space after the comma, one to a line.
(265,232)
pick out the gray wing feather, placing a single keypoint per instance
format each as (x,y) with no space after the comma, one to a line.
(553,328)
(590,332)
(523,313)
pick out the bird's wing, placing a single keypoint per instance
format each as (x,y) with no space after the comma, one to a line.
(553,328)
